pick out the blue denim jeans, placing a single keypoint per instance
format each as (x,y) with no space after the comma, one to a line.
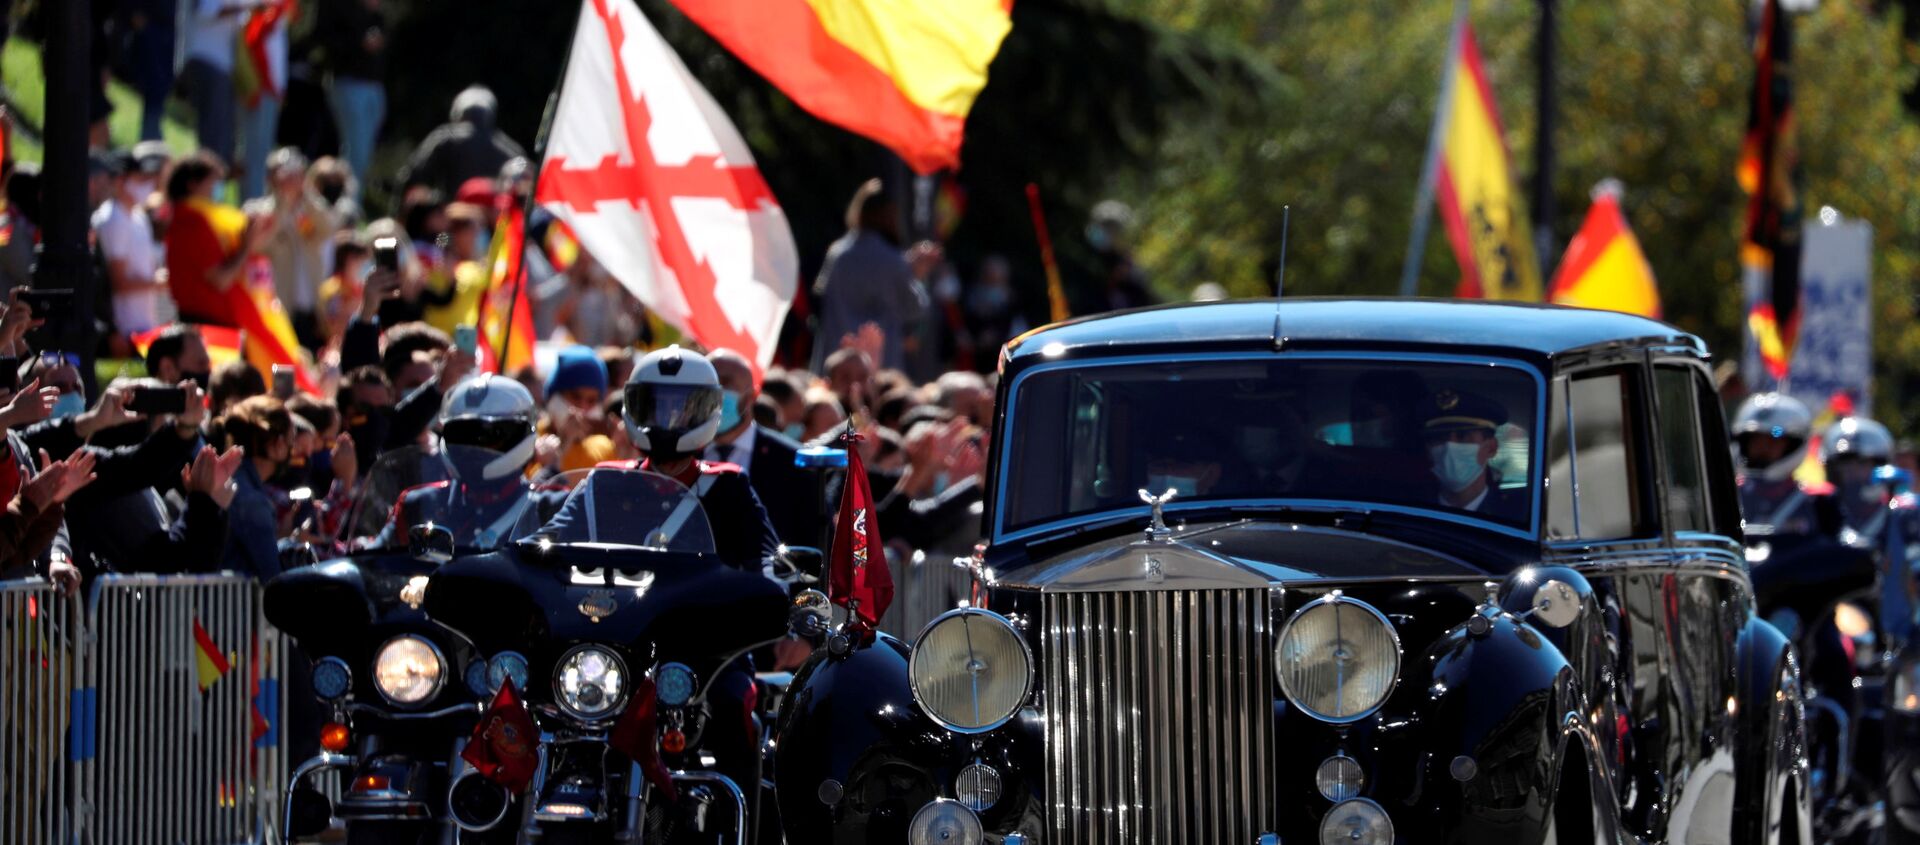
(259,126)
(210,91)
(359,107)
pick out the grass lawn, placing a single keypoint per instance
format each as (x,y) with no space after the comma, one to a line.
(26,89)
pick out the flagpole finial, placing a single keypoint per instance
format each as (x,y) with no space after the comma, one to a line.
(1608,188)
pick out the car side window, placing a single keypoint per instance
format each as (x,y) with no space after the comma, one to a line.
(1723,504)
(1593,474)
(1680,452)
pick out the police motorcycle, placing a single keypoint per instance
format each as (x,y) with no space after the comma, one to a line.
(614,622)
(1815,577)
(397,694)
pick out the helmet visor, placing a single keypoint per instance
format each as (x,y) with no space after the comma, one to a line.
(499,435)
(671,406)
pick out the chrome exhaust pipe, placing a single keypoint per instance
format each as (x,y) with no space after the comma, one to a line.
(477,804)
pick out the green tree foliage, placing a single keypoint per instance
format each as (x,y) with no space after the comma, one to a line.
(1653,92)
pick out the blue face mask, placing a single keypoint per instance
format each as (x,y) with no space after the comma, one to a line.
(1456,464)
(729,410)
(793,432)
(68,405)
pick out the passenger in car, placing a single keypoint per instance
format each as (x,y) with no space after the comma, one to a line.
(1460,437)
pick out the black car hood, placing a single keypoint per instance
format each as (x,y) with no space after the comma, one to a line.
(1238,554)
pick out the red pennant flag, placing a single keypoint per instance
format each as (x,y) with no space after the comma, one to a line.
(637,736)
(858,577)
(502,748)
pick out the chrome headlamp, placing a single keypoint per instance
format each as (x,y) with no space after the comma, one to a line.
(1337,659)
(408,670)
(970,670)
(590,682)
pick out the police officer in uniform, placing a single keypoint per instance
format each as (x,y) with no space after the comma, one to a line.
(1771,435)
(486,433)
(672,411)
(1461,437)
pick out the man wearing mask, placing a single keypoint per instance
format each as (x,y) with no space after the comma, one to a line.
(1461,438)
(263,429)
(179,354)
(125,237)
(791,494)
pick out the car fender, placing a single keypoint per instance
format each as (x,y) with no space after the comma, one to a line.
(1763,654)
(1500,696)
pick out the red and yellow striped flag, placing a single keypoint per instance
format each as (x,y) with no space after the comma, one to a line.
(501,350)
(903,74)
(223,343)
(209,664)
(1604,267)
(250,300)
(1478,197)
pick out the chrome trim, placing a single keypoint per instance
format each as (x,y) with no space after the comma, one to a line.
(1336,597)
(318,763)
(439,681)
(560,698)
(913,678)
(506,805)
(454,710)
(733,789)
(1159,718)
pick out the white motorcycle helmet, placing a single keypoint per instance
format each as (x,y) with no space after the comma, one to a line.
(1773,415)
(1858,438)
(490,412)
(672,404)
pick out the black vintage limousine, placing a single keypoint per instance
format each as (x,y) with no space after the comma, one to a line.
(1350,571)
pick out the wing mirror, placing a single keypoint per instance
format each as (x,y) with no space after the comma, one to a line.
(1550,596)
(430,543)
(810,614)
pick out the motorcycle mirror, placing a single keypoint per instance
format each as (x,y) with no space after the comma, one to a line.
(806,559)
(296,555)
(811,614)
(430,543)
(1556,604)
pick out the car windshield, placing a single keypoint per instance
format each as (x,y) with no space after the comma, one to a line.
(1443,436)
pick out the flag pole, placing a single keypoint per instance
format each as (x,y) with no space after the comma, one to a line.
(533,187)
(1429,168)
(1056,292)
(1543,152)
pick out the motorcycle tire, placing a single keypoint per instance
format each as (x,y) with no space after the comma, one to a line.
(388,833)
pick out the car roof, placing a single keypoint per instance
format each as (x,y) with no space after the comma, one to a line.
(1527,329)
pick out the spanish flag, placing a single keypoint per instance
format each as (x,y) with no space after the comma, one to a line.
(902,73)
(1604,267)
(1478,198)
(223,343)
(502,349)
(209,664)
(1769,171)
(250,302)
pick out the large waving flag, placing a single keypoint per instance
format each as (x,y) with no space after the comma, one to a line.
(1769,171)
(261,69)
(223,342)
(1479,200)
(251,302)
(506,323)
(902,73)
(1604,267)
(659,187)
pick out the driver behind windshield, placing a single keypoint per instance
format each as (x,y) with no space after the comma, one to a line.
(1461,438)
(486,442)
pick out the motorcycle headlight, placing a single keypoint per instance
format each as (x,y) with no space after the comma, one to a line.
(1338,659)
(590,682)
(408,670)
(970,670)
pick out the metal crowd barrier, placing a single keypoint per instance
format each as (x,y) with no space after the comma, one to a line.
(924,586)
(40,642)
(106,734)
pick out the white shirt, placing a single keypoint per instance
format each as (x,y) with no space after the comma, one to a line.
(127,235)
(1475,504)
(742,453)
(210,36)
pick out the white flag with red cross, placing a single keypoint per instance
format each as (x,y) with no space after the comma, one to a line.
(659,187)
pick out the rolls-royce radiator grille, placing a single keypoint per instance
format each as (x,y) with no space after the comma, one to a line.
(1159,710)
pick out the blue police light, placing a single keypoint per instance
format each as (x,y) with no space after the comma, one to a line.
(331,678)
(476,678)
(820,457)
(674,685)
(507,666)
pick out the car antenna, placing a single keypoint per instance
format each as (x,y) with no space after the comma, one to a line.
(1280,276)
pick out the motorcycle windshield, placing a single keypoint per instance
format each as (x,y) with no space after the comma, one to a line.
(463,489)
(630,508)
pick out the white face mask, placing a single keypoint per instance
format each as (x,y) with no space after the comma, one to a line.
(139,189)
(1456,464)
(1182,486)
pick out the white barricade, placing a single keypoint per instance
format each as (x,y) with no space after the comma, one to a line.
(181,691)
(924,586)
(39,644)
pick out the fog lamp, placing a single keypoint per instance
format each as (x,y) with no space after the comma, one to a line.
(944,822)
(1339,778)
(977,786)
(1356,822)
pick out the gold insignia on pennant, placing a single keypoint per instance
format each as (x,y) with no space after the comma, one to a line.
(415,591)
(1446,399)
(597,605)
